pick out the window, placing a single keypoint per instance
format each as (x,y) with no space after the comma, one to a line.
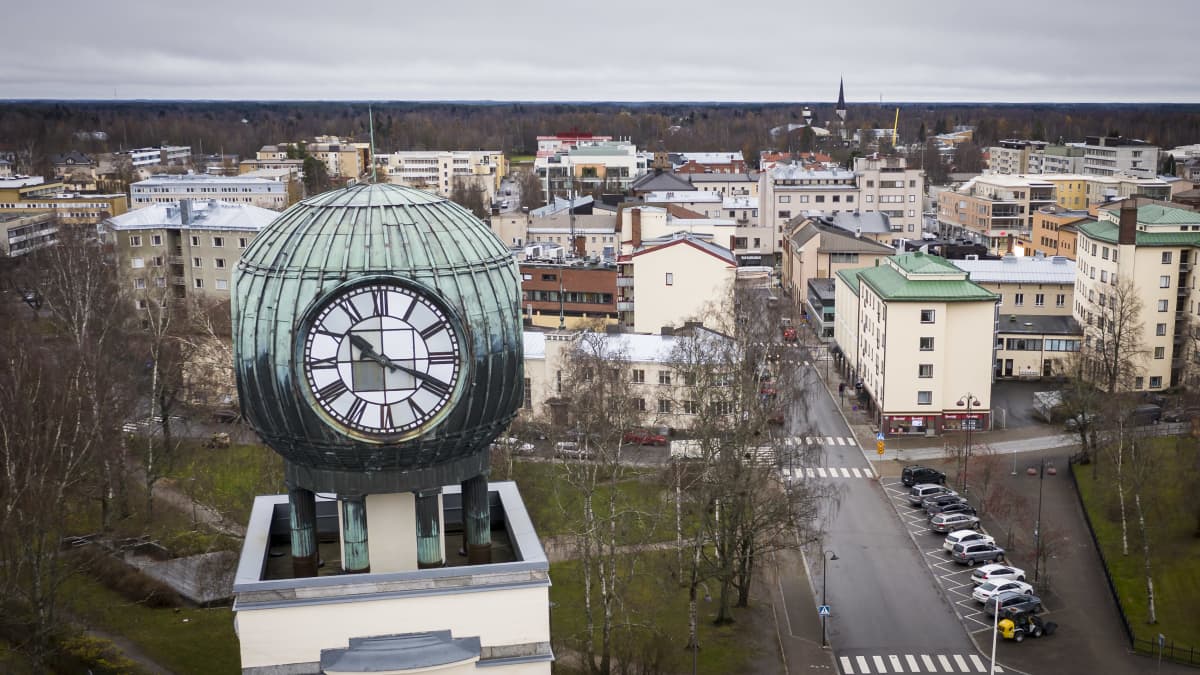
(849,199)
(137,263)
(639,375)
(870,198)
(1139,382)
(837,198)
(135,240)
(1039,300)
(1166,257)
(924,398)
(670,279)
(664,406)
(218,242)
(785,199)
(527,398)
(161,282)
(139,283)
(1162,305)
(1160,329)
(1060,300)
(195,240)
(1156,382)
(691,408)
(925,370)
(549,277)
(639,404)
(927,316)
(1160,352)
(198,283)
(141,303)
(222,284)
(664,377)
(197,262)
(156,240)
(1164,282)
(844,258)
(1019,299)
(803,199)
(219,263)
(242,244)
(785,214)
(820,199)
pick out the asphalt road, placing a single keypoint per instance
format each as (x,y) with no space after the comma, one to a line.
(882,597)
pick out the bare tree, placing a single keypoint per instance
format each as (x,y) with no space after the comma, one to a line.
(469,195)
(531,189)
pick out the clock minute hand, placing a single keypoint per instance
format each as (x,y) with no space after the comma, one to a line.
(421,375)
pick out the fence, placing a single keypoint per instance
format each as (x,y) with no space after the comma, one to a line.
(1184,654)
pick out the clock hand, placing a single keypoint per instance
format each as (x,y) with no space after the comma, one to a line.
(421,375)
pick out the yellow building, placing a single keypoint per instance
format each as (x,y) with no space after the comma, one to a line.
(672,280)
(28,194)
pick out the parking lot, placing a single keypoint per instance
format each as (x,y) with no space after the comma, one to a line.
(953,578)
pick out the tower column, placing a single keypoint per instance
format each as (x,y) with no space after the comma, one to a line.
(429,530)
(355,556)
(477,520)
(303,520)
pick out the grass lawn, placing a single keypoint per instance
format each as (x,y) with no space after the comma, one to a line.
(1170,503)
(185,640)
(228,479)
(657,608)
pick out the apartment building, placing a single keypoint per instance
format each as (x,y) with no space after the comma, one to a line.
(640,224)
(27,194)
(657,391)
(788,191)
(1113,155)
(23,233)
(595,234)
(1014,156)
(573,294)
(440,170)
(917,334)
(343,157)
(184,251)
(165,155)
(707,162)
(992,209)
(889,187)
(294,167)
(725,184)
(817,249)
(673,280)
(1055,231)
(170,188)
(586,167)
(1153,248)
(6,168)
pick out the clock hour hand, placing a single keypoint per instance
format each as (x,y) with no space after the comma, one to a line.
(365,348)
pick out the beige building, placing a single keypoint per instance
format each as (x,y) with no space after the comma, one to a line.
(918,335)
(673,280)
(595,234)
(27,194)
(183,251)
(788,191)
(343,157)
(817,249)
(889,187)
(440,170)
(646,223)
(726,184)
(1153,247)
(753,243)
(23,233)
(170,188)
(993,208)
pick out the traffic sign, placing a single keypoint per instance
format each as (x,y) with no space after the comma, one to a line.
(879,447)
(823,610)
(879,436)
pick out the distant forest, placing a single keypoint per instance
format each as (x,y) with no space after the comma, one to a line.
(241,127)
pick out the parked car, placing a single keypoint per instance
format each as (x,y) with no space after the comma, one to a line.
(997,571)
(1146,413)
(942,500)
(964,536)
(513,445)
(912,475)
(644,437)
(984,592)
(1012,603)
(952,522)
(789,334)
(572,449)
(944,509)
(919,492)
(971,553)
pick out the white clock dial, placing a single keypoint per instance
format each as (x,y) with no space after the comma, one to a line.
(381,358)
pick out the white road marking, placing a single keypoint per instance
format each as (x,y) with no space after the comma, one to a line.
(928,663)
(978,663)
(845,472)
(862,665)
(821,472)
(962,664)
(846,667)
(811,473)
(912,662)
(829,440)
(879,664)
(856,473)
(945,663)
(896,667)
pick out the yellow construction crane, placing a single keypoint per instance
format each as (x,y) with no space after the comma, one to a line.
(895,126)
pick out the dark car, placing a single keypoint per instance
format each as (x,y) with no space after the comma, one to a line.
(957,507)
(916,473)
(942,500)
(970,553)
(1013,602)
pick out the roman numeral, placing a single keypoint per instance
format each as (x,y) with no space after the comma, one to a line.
(332,390)
(379,300)
(385,417)
(439,358)
(435,386)
(412,307)
(349,308)
(357,409)
(328,333)
(417,412)
(318,364)
(432,330)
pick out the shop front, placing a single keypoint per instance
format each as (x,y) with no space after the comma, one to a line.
(976,420)
(914,425)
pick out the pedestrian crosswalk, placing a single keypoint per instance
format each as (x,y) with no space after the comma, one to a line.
(799,473)
(869,664)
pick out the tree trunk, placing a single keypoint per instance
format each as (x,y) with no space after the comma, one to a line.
(589,640)
(1121,493)
(1151,613)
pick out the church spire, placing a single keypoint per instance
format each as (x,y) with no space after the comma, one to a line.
(841,103)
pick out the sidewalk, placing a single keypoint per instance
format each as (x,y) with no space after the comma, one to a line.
(794,604)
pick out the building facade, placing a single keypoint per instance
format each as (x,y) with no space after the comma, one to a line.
(993,209)
(572,295)
(170,188)
(440,170)
(818,250)
(1055,231)
(26,194)
(23,233)
(673,282)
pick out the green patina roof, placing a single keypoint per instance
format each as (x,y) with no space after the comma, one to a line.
(1158,214)
(1107,231)
(923,263)
(893,286)
(851,278)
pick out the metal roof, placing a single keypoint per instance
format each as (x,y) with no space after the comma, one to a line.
(176,179)
(1038,324)
(636,347)
(397,653)
(887,280)
(1020,269)
(206,215)
(1107,231)
(1159,214)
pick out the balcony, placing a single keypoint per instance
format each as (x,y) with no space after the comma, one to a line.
(625,306)
(179,281)
(175,260)
(624,282)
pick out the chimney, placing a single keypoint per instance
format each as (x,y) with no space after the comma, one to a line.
(636,228)
(185,212)
(732,241)
(1010,246)
(1127,225)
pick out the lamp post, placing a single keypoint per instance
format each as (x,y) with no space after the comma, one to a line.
(995,629)
(825,556)
(969,401)
(1037,525)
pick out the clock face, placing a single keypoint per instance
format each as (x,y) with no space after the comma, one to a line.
(382,359)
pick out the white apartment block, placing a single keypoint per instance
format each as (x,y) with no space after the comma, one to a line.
(917,335)
(1112,155)
(584,167)
(1013,156)
(725,184)
(243,189)
(188,250)
(343,157)
(439,170)
(167,155)
(23,233)
(1154,247)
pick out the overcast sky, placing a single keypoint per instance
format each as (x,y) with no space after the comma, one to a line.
(569,50)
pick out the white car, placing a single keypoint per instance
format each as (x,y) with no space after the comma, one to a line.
(997,571)
(962,536)
(987,589)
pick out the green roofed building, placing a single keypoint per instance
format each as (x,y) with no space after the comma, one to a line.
(916,337)
(1137,257)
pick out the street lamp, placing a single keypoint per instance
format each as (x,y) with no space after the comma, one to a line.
(995,629)
(1037,526)
(969,401)
(825,555)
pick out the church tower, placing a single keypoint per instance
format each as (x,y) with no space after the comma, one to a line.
(840,110)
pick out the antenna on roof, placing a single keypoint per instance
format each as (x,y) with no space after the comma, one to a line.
(371,124)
